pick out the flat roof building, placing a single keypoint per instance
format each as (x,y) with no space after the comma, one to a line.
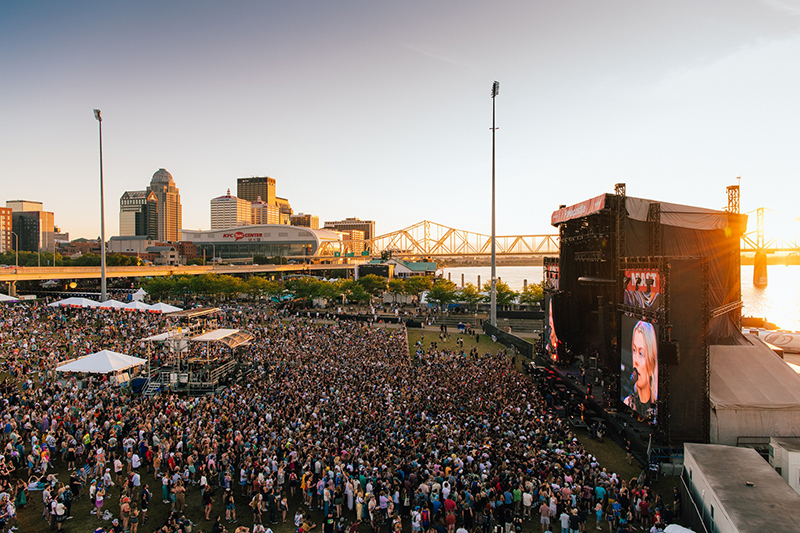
(252,188)
(736,491)
(305,220)
(367,226)
(230,212)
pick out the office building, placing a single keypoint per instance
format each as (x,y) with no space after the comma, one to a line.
(285,210)
(43,227)
(168,197)
(230,212)
(264,213)
(138,214)
(305,221)
(353,240)
(252,188)
(367,226)
(6,243)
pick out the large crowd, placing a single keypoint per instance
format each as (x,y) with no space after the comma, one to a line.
(331,421)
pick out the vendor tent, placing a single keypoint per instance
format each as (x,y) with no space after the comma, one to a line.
(138,295)
(136,305)
(753,393)
(6,298)
(111,304)
(74,302)
(161,307)
(102,362)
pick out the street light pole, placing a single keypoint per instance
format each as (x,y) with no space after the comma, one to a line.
(103,295)
(493,311)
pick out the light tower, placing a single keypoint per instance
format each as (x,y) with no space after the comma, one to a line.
(493,300)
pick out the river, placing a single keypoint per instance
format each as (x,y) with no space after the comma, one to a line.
(779,302)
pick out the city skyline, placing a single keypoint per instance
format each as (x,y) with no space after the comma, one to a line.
(383,111)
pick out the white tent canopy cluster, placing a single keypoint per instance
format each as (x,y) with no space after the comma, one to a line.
(135,305)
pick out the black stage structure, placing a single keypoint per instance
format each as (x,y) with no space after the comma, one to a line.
(645,287)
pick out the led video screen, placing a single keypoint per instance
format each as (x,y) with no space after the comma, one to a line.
(639,366)
(550,337)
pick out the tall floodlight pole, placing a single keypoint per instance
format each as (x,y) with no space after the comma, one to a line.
(493,312)
(103,295)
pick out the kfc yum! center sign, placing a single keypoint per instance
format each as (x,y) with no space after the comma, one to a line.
(242,236)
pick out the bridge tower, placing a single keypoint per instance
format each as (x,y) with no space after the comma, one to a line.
(760,260)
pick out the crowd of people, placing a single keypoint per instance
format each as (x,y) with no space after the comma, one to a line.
(331,421)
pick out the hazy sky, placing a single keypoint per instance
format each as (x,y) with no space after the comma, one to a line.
(381,110)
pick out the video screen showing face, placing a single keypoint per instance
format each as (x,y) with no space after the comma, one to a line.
(639,368)
(551,339)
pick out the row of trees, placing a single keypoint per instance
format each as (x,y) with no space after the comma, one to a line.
(441,292)
(32,259)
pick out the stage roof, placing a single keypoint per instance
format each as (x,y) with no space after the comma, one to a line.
(685,216)
(231,338)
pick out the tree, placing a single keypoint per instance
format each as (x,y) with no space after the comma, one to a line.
(532,294)
(442,293)
(505,296)
(417,284)
(158,288)
(470,295)
(396,286)
(256,286)
(373,284)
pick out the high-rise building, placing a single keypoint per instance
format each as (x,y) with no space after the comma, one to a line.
(170,216)
(263,213)
(138,214)
(252,188)
(367,226)
(6,244)
(353,240)
(230,212)
(305,220)
(285,210)
(43,227)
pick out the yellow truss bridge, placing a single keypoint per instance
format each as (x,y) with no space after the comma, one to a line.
(429,239)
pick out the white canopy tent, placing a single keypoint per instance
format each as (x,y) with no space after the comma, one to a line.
(75,302)
(6,298)
(111,304)
(138,295)
(753,393)
(102,362)
(136,305)
(161,307)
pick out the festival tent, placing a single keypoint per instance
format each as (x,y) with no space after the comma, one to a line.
(161,307)
(102,362)
(138,295)
(136,305)
(75,302)
(752,392)
(6,298)
(112,304)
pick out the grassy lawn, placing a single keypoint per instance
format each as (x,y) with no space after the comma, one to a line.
(431,334)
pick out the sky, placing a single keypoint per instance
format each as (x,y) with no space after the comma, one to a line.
(382,110)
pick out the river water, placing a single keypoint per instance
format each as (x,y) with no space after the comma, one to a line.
(779,302)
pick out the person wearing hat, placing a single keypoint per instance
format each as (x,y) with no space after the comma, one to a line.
(115,527)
